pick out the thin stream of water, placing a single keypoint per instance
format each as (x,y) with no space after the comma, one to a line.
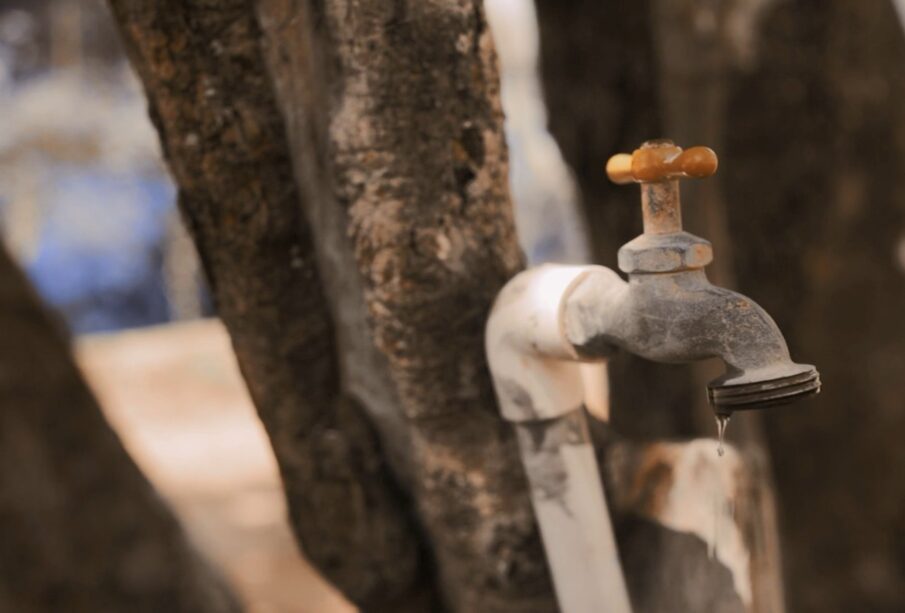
(721,422)
(723,503)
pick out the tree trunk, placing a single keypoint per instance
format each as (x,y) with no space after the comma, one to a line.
(81,528)
(817,152)
(394,118)
(224,139)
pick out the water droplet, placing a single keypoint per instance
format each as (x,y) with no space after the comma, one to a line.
(721,422)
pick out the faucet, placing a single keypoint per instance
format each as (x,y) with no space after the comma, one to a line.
(551,323)
(668,311)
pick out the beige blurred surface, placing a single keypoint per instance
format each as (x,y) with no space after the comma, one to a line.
(176,398)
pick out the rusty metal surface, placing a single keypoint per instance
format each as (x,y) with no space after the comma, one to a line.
(669,311)
(661,207)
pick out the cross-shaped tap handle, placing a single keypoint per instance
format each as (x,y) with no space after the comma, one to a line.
(658,165)
(661,160)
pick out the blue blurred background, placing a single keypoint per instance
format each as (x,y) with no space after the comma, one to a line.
(85,202)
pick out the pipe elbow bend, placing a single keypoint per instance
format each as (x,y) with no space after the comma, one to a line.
(534,368)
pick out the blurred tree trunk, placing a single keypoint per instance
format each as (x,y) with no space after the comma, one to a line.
(817,152)
(81,528)
(804,103)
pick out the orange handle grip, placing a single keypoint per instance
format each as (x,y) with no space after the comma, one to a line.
(661,162)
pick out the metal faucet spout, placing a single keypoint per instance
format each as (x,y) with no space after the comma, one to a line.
(681,317)
(669,311)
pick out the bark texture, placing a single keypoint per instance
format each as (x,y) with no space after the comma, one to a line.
(393,111)
(81,528)
(212,101)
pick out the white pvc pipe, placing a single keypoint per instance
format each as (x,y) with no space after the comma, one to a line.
(596,383)
(540,386)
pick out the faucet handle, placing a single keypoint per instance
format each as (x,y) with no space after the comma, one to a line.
(661,160)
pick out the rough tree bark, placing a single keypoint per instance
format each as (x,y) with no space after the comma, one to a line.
(81,528)
(212,102)
(393,112)
(429,283)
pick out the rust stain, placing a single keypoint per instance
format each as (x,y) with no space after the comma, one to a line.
(652,482)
